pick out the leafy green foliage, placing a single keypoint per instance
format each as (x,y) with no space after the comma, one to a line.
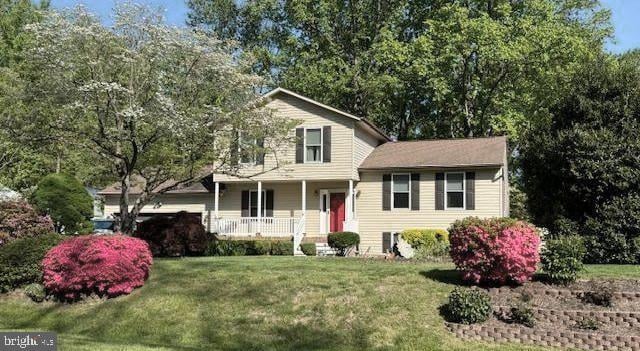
(581,171)
(600,294)
(417,68)
(20,260)
(66,201)
(427,243)
(522,314)
(562,258)
(35,291)
(257,247)
(588,324)
(343,241)
(308,249)
(468,306)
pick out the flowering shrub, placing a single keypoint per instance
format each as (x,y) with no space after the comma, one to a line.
(19,220)
(177,236)
(104,265)
(496,250)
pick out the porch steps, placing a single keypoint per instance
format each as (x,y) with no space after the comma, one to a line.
(323,249)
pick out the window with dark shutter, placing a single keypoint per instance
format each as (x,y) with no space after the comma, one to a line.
(440,191)
(470,190)
(269,206)
(401,186)
(326,144)
(244,203)
(386,192)
(415,191)
(299,145)
(455,189)
(386,242)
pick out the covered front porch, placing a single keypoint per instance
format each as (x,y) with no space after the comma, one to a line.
(283,208)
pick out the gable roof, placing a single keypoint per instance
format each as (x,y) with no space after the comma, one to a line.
(444,153)
(368,125)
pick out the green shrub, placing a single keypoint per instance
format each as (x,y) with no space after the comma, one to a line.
(468,306)
(588,324)
(253,247)
(427,243)
(262,247)
(66,200)
(20,260)
(562,258)
(343,241)
(601,294)
(35,292)
(522,314)
(308,249)
(282,248)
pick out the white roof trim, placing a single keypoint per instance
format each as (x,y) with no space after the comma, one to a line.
(311,101)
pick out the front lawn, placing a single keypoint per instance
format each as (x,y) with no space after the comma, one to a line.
(266,303)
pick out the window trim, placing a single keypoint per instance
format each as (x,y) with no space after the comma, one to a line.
(321,145)
(254,157)
(464,191)
(264,200)
(393,205)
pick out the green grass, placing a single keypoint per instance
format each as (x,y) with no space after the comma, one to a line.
(265,303)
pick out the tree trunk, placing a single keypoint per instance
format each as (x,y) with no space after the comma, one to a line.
(127,219)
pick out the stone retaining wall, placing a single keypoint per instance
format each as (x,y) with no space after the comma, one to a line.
(615,318)
(626,295)
(554,338)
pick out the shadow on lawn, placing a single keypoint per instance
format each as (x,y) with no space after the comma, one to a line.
(446,276)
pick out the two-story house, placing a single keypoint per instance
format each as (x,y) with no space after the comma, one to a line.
(344,174)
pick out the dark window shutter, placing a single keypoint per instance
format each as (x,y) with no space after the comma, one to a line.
(245,203)
(269,205)
(299,145)
(386,242)
(439,191)
(260,155)
(235,145)
(326,144)
(386,192)
(415,191)
(470,190)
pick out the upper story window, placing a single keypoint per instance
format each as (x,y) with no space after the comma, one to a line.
(400,189)
(313,145)
(247,149)
(454,187)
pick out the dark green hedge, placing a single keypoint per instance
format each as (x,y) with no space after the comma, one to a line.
(308,249)
(257,247)
(20,260)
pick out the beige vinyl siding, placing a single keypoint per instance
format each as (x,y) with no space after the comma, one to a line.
(309,116)
(287,202)
(373,221)
(363,145)
(168,203)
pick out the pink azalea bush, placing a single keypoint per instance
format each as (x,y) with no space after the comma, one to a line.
(19,220)
(495,251)
(104,265)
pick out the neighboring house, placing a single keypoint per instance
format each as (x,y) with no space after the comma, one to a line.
(344,174)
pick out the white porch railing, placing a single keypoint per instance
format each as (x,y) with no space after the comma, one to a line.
(249,226)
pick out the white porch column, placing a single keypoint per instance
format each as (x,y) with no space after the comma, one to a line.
(304,197)
(216,201)
(259,207)
(350,208)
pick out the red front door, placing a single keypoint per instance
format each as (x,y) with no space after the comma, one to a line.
(336,217)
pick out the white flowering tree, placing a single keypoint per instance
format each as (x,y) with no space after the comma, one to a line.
(159,105)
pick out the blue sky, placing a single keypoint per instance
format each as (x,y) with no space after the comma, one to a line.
(625,17)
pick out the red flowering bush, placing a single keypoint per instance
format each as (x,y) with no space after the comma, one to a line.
(104,265)
(495,251)
(182,235)
(19,220)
